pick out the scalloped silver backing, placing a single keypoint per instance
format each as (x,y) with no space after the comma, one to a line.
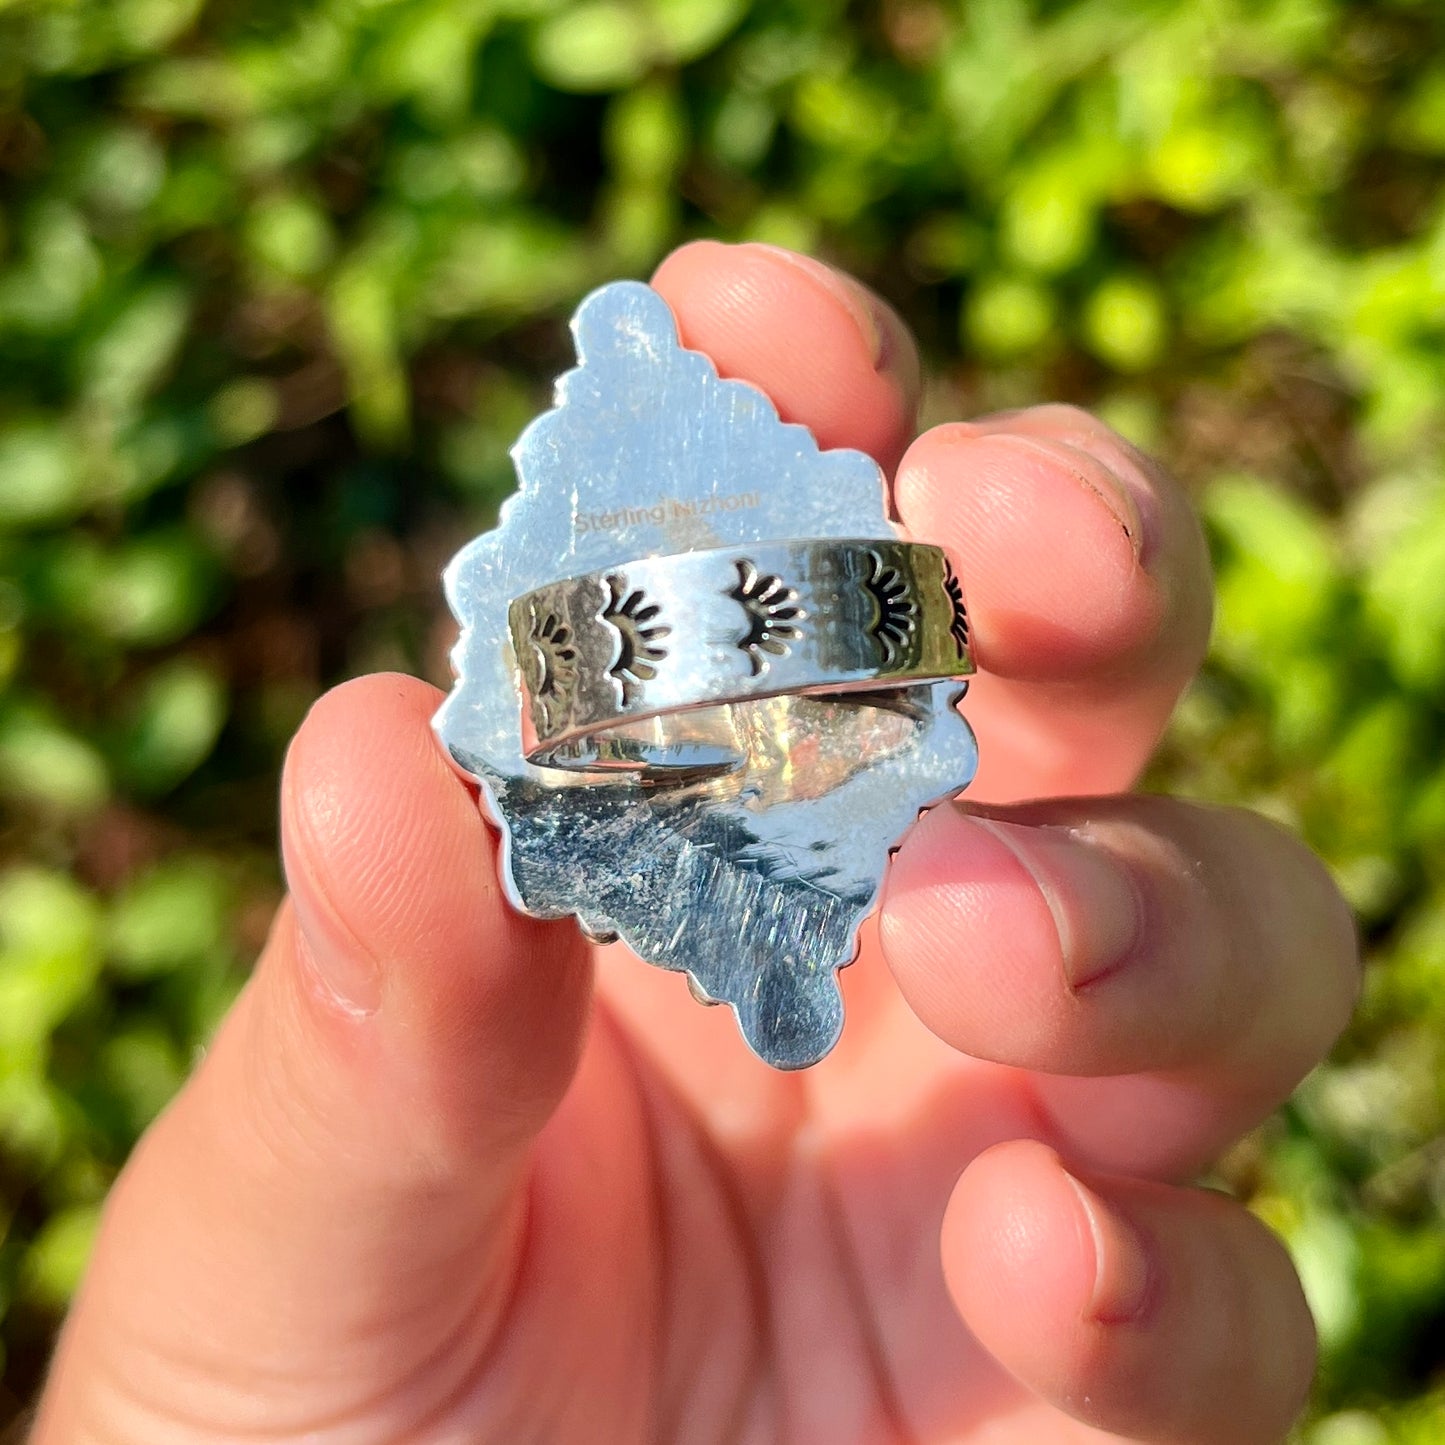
(753,882)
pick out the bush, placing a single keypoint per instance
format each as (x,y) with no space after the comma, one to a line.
(280,282)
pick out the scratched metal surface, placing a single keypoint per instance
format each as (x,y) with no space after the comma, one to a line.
(753,882)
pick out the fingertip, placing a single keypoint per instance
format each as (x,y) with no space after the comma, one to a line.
(967,935)
(1049,545)
(1018,1256)
(382,839)
(830,354)
(1087,584)
(1190,959)
(1140,1309)
(1057,1283)
(1168,519)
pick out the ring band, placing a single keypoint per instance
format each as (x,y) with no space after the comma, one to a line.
(607,658)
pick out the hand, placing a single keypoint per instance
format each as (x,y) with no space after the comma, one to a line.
(447,1175)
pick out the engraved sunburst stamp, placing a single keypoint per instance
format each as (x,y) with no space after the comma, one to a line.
(772,611)
(895,608)
(553,666)
(958,616)
(639,635)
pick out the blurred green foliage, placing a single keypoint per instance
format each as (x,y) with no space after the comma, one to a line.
(279,282)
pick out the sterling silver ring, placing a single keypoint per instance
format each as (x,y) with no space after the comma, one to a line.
(697,632)
(704,682)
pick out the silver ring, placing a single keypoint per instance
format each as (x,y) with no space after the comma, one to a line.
(718,782)
(603,654)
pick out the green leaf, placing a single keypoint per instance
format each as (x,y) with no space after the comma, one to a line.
(42,476)
(46,763)
(56,1260)
(290,235)
(243,410)
(169,917)
(49,953)
(1008,317)
(1327,1256)
(646,134)
(361,309)
(1349,1427)
(1202,165)
(123,169)
(60,272)
(1405,596)
(33,1124)
(1280,575)
(171,725)
(124,363)
(683,30)
(143,1070)
(1420,122)
(1124,323)
(1047,218)
(144,592)
(596,45)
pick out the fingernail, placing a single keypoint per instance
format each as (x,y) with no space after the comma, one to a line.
(1094,897)
(1100,481)
(342,968)
(872,325)
(1108,486)
(1123,1261)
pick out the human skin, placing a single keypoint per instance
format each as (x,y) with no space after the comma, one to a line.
(448,1174)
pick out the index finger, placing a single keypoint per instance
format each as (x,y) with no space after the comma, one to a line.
(830,353)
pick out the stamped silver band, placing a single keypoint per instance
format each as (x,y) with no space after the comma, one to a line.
(609,660)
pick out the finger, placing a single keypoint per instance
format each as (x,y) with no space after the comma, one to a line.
(331,1205)
(1088,584)
(1162,1314)
(830,354)
(1203,953)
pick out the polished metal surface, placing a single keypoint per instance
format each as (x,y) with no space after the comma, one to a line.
(743,842)
(720,626)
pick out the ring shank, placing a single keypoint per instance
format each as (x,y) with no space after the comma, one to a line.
(781,749)
(654,666)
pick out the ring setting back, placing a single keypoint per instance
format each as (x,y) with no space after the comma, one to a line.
(702,720)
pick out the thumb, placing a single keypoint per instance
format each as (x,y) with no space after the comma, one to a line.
(322,1227)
